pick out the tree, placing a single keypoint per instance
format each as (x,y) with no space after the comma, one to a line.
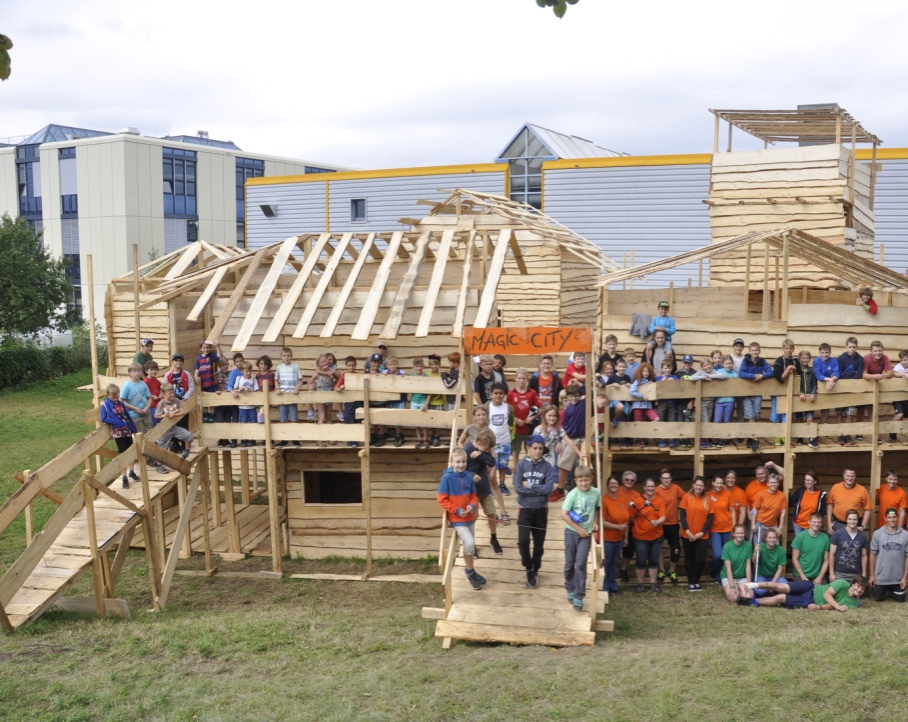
(34,287)
(5,44)
(559,7)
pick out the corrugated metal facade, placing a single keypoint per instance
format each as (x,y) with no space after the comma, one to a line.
(176,234)
(656,210)
(891,210)
(300,207)
(70,234)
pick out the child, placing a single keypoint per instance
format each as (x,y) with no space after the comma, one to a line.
(480,424)
(244,384)
(573,421)
(642,409)
(708,403)
(323,380)
(784,366)
(666,409)
(687,367)
(480,463)
(482,384)
(457,496)
(576,371)
(851,366)
(501,419)
(375,366)
(526,406)
(499,362)
(420,402)
(900,370)
(265,374)
(533,482)
(136,397)
(608,368)
(231,414)
(826,370)
(143,356)
(154,388)
(754,368)
(451,378)
(611,354)
(865,300)
(350,407)
(619,379)
(664,321)
(437,402)
(222,413)
(579,512)
(553,435)
(114,413)
(807,391)
(725,405)
(288,378)
(172,408)
(392,368)
(546,383)
(630,359)
(204,374)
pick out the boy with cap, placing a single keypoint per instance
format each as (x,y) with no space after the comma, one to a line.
(143,356)
(183,385)
(663,320)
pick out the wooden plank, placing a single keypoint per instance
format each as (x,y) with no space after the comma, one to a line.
(84,605)
(202,303)
(363,328)
(325,281)
(239,291)
(171,565)
(513,635)
(183,262)
(438,274)
(490,286)
(405,289)
(414,419)
(352,276)
(295,291)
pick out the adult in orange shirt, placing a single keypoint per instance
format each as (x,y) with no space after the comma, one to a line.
(806,500)
(629,493)
(725,516)
(738,497)
(616,515)
(756,485)
(891,496)
(770,507)
(845,495)
(670,495)
(696,519)
(648,520)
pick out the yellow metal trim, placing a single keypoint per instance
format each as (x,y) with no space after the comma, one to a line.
(625,161)
(882,154)
(383,173)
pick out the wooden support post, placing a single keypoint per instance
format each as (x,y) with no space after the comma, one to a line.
(30,514)
(776,301)
(591,413)
(148,530)
(882,254)
(244,477)
(206,518)
(5,624)
(120,558)
(671,294)
(746,309)
(851,158)
(787,485)
(92,346)
(233,529)
(876,456)
(161,531)
(214,461)
(631,286)
(466,372)
(700,273)
(766,296)
(96,569)
(135,294)
(783,316)
(716,134)
(789,398)
(624,265)
(730,128)
(873,178)
(181,503)
(271,478)
(698,433)
(838,128)
(366,485)
(182,527)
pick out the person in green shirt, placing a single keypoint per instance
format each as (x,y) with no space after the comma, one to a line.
(841,595)
(810,552)
(737,560)
(772,558)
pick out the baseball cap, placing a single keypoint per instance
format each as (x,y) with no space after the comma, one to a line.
(535,439)
(737,341)
(376,357)
(179,356)
(380,345)
(147,341)
(663,304)
(688,359)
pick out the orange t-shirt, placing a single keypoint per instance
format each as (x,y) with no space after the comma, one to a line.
(643,529)
(738,501)
(628,494)
(721,504)
(697,510)
(810,502)
(886,499)
(841,499)
(753,488)
(670,498)
(615,511)
(770,507)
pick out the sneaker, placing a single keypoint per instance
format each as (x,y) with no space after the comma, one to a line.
(661,576)
(184,453)
(698,587)
(692,587)
(161,469)
(296,443)
(379,441)
(399,440)
(134,476)
(779,441)
(556,495)
(622,575)
(893,438)
(477,581)
(496,546)
(222,442)
(233,444)
(813,443)
(661,444)
(640,443)
(841,441)
(859,437)
(705,444)
(504,489)
(754,445)
(656,588)
(570,597)
(532,579)
(578,604)
(671,444)
(125,482)
(848,440)
(435,441)
(640,589)
(719,443)
(352,443)
(281,444)
(616,590)
(800,442)
(673,577)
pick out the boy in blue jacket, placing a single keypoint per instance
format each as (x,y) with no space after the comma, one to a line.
(457,496)
(754,368)
(114,412)
(534,479)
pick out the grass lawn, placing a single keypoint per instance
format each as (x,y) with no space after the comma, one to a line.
(242,649)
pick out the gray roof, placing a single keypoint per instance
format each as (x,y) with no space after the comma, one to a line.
(226,144)
(570,146)
(57,133)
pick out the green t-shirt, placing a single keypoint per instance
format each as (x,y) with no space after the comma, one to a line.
(738,556)
(770,559)
(841,587)
(585,504)
(812,549)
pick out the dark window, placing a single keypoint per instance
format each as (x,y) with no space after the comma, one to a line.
(67,153)
(313,169)
(70,204)
(246,168)
(74,272)
(357,209)
(179,183)
(29,180)
(332,487)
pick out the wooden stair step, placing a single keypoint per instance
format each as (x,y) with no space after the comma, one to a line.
(511,634)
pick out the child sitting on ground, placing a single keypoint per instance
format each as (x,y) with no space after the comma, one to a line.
(579,512)
(172,408)
(457,496)
(481,464)
(114,413)
(244,384)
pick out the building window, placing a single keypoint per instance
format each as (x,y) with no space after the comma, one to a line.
(179,183)
(246,168)
(74,273)
(357,209)
(332,487)
(28,173)
(313,169)
(70,204)
(525,157)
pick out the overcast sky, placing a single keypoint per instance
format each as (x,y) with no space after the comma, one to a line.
(396,83)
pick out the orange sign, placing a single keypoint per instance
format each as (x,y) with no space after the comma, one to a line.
(530,341)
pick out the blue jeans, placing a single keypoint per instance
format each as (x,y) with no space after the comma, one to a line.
(774,416)
(612,555)
(648,552)
(797,529)
(289,412)
(718,540)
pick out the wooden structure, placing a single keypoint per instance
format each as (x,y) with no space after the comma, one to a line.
(817,187)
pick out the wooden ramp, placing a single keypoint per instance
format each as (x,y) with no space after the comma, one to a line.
(505,610)
(69,554)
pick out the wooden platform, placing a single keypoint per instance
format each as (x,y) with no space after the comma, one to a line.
(505,610)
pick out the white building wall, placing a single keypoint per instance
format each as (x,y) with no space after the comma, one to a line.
(9,185)
(891,211)
(50,199)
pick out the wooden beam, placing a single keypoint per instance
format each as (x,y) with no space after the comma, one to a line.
(399,304)
(96,569)
(182,526)
(366,484)
(202,303)
(324,282)
(185,260)
(349,285)
(271,483)
(460,311)
(111,494)
(438,275)
(363,328)
(490,287)
(238,292)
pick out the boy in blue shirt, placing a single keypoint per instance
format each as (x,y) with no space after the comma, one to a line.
(754,368)
(664,321)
